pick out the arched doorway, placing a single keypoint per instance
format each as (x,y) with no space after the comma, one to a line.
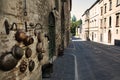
(62,28)
(109,36)
(51,35)
(101,37)
(92,36)
(47,69)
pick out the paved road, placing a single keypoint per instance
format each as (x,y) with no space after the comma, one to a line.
(89,61)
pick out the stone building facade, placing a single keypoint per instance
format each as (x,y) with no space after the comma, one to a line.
(32,33)
(90,20)
(85,25)
(108,21)
(109,16)
(94,21)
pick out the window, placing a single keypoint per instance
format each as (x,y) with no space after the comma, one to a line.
(110,5)
(95,23)
(105,8)
(101,37)
(101,22)
(101,10)
(118,3)
(117,20)
(116,31)
(104,22)
(92,22)
(110,22)
(95,35)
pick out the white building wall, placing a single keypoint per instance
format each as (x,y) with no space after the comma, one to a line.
(94,22)
(113,28)
(100,32)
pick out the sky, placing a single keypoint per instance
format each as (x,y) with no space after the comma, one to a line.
(80,6)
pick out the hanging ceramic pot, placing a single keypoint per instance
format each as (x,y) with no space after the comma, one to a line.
(20,36)
(38,48)
(43,51)
(35,32)
(31,65)
(28,41)
(28,52)
(46,35)
(7,61)
(23,66)
(40,56)
(39,37)
(17,52)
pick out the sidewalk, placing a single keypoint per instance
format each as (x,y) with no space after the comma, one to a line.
(63,67)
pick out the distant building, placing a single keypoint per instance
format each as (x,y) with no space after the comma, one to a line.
(78,31)
(109,21)
(94,22)
(85,25)
(103,22)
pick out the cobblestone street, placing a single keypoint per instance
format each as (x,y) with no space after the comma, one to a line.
(84,60)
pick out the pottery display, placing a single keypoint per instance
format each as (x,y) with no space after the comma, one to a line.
(28,52)
(40,56)
(39,37)
(7,61)
(28,41)
(17,52)
(23,66)
(31,65)
(38,48)
(20,36)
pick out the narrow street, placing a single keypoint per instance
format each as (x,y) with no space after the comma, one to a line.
(84,60)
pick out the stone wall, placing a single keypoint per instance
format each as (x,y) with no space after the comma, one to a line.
(67,9)
(31,17)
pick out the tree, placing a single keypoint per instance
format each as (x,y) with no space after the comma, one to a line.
(79,22)
(73,28)
(73,18)
(74,25)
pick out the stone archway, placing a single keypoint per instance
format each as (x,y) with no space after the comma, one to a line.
(51,35)
(47,69)
(62,28)
(109,36)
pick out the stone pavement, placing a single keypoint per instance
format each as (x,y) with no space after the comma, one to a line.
(63,67)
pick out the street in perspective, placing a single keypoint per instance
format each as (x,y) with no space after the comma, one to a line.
(59,39)
(85,60)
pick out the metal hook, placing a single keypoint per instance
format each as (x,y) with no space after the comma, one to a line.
(26,27)
(12,27)
(39,25)
(47,37)
(7,26)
